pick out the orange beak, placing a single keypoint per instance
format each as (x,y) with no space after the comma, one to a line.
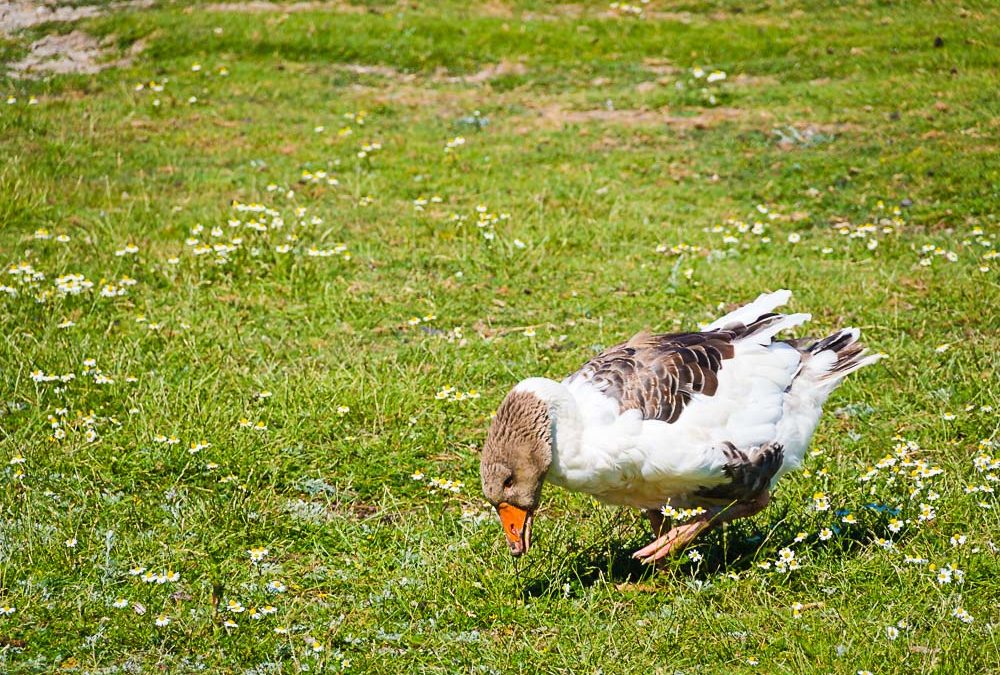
(517,526)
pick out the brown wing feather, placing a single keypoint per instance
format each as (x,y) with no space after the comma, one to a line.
(659,374)
(749,472)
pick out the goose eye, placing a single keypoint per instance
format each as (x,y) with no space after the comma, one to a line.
(509,482)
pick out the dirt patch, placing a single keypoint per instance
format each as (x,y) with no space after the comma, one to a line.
(555,116)
(526,114)
(809,134)
(713,17)
(571,11)
(20,14)
(495,9)
(555,13)
(744,80)
(262,6)
(660,67)
(382,71)
(440,101)
(15,16)
(73,53)
(482,76)
(490,72)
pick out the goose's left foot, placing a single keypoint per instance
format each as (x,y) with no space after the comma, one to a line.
(677,538)
(682,535)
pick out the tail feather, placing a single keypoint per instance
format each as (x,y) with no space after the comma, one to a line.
(758,321)
(839,340)
(765,328)
(765,304)
(824,364)
(849,355)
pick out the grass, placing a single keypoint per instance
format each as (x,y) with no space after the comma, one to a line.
(601,145)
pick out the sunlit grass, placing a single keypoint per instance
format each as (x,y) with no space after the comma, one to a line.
(261,291)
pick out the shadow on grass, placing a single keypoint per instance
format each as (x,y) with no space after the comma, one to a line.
(734,548)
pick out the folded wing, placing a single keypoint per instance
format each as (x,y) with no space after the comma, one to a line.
(659,375)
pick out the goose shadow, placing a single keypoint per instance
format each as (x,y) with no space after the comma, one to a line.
(733,548)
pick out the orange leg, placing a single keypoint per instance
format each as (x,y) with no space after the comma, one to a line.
(682,535)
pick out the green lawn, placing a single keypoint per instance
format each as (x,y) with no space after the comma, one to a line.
(242,271)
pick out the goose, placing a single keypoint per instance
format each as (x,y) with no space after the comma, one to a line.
(701,424)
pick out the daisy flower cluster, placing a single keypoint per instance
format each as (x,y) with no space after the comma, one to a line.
(759,229)
(913,497)
(741,234)
(23,275)
(27,282)
(154,579)
(626,9)
(785,562)
(438,484)
(81,425)
(679,249)
(153,88)
(246,423)
(976,244)
(487,221)
(44,234)
(680,515)
(450,393)
(73,284)
(987,467)
(254,228)
(962,615)
(882,223)
(710,76)
(151,577)
(702,86)
(351,118)
(420,203)
(356,118)
(861,239)
(367,151)
(230,610)
(902,469)
(417,320)
(947,573)
(192,448)
(157,89)
(235,608)
(454,144)
(317,177)
(41,376)
(12,100)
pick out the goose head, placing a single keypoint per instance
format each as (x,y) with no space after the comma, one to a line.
(516,456)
